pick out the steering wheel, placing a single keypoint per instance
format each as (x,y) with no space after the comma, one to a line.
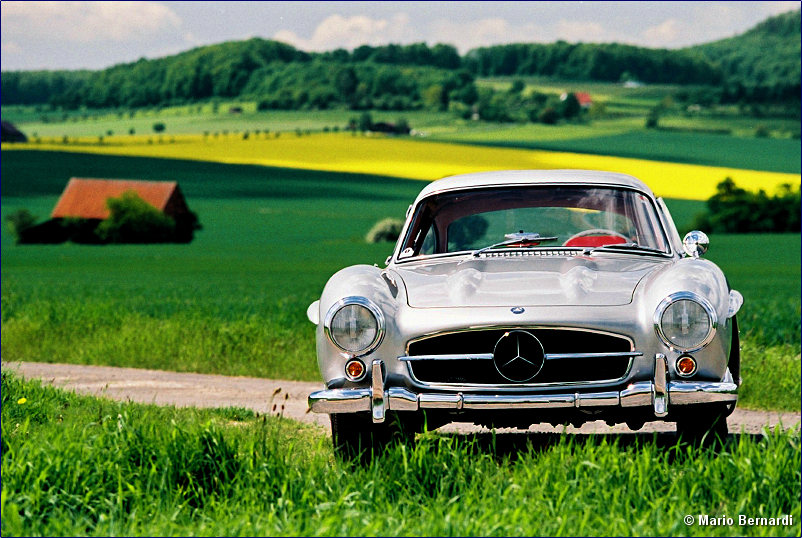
(595,237)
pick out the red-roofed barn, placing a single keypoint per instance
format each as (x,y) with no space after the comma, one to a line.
(86,198)
(83,206)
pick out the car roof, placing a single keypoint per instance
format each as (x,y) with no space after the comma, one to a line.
(533,177)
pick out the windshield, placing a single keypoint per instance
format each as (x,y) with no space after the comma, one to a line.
(533,217)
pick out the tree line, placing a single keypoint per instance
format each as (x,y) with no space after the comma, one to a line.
(761,65)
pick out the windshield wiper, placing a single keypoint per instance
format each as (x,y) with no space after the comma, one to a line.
(622,246)
(517,239)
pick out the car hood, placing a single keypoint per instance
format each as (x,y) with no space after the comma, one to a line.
(606,280)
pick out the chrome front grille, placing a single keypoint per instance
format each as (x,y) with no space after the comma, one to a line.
(571,356)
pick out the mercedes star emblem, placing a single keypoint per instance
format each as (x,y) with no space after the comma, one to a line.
(518,356)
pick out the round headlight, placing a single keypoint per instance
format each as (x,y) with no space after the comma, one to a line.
(355,325)
(685,321)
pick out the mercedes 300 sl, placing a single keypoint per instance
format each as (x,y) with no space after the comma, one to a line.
(528,296)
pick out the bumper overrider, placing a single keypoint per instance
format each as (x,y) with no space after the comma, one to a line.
(658,393)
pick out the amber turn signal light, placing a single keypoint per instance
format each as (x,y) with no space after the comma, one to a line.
(686,366)
(354,370)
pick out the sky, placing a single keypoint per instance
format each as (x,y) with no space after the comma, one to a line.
(94,35)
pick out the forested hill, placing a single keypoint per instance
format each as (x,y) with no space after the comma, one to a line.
(761,64)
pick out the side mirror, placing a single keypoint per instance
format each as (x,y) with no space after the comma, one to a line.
(695,244)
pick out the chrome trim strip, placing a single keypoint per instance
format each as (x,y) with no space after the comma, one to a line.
(598,399)
(440,401)
(519,401)
(377,392)
(689,296)
(557,356)
(635,395)
(452,357)
(399,399)
(340,401)
(489,356)
(660,398)
(362,301)
(694,392)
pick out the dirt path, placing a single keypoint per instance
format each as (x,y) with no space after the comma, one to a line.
(287,397)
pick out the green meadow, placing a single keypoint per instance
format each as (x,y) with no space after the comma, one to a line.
(234,300)
(79,466)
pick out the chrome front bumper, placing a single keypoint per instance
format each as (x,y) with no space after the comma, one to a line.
(658,394)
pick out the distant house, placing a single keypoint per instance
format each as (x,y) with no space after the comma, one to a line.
(86,198)
(585,100)
(82,206)
(11,134)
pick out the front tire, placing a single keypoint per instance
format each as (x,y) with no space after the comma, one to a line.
(707,423)
(355,436)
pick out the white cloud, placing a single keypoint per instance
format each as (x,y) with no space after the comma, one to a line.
(584,31)
(482,32)
(11,47)
(664,34)
(87,22)
(337,31)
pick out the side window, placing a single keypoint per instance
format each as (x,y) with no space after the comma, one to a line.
(429,242)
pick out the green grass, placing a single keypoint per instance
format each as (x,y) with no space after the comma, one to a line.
(233,301)
(186,119)
(75,465)
(615,138)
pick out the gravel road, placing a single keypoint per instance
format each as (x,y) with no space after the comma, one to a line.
(287,397)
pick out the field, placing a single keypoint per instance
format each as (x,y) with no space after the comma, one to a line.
(618,130)
(414,159)
(75,465)
(233,301)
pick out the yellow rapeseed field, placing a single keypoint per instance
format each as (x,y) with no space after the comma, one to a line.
(415,159)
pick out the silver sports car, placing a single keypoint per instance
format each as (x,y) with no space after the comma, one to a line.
(529,296)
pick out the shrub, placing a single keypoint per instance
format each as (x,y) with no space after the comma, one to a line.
(133,220)
(548,115)
(385,230)
(736,210)
(158,127)
(653,119)
(19,221)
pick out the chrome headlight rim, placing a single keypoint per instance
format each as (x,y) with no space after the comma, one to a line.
(372,308)
(686,296)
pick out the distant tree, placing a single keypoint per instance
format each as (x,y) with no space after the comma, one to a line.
(653,119)
(735,210)
(19,221)
(517,86)
(570,107)
(548,115)
(433,97)
(159,127)
(365,122)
